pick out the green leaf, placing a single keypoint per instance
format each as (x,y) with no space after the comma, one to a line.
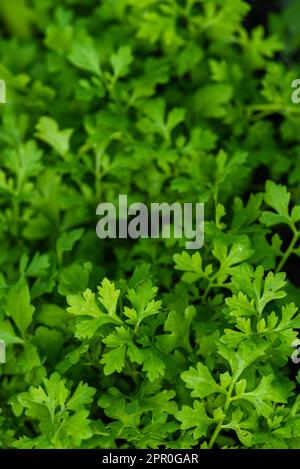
(239,305)
(153,365)
(114,360)
(192,266)
(201,381)
(194,418)
(142,300)
(67,241)
(210,100)
(39,263)
(18,307)
(179,327)
(84,305)
(84,56)
(121,61)
(108,296)
(266,393)
(278,198)
(272,289)
(48,131)
(247,353)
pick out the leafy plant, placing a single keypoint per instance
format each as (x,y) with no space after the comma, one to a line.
(140,343)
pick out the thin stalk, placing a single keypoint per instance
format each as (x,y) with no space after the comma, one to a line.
(289,250)
(226,407)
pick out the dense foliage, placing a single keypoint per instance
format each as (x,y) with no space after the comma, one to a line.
(141,343)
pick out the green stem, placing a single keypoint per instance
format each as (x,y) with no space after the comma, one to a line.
(99,154)
(226,407)
(16,214)
(207,290)
(210,285)
(288,251)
